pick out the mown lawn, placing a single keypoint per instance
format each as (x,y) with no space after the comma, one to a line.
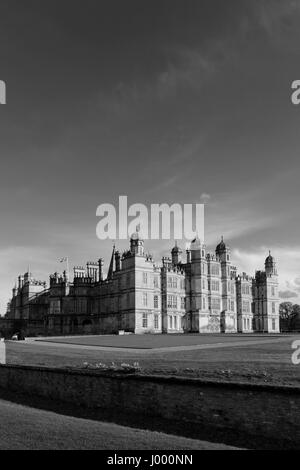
(23,428)
(259,363)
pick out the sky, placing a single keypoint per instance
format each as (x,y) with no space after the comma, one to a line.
(163,101)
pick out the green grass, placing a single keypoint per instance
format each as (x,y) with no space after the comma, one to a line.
(257,363)
(148,341)
(22,428)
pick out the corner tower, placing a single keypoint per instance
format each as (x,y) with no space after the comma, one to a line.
(266,301)
(228,316)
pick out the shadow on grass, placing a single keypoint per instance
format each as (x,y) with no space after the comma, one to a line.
(201,431)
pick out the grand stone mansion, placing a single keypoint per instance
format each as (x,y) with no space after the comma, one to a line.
(201,294)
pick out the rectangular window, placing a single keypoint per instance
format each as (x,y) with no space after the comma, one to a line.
(145,320)
(172,301)
(232,306)
(155,281)
(156,301)
(55,307)
(215,286)
(174,283)
(145,278)
(175,323)
(215,304)
(273,324)
(273,291)
(170,282)
(245,289)
(171,321)
(246,306)
(273,307)
(214,270)
(182,303)
(156,322)
(145,299)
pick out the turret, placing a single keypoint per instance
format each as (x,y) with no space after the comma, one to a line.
(223,251)
(197,249)
(176,254)
(100,264)
(118,260)
(136,244)
(270,265)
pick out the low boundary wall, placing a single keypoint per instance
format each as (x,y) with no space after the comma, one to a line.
(258,411)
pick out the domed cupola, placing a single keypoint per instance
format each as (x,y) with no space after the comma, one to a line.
(270,259)
(221,246)
(270,264)
(137,243)
(223,251)
(136,234)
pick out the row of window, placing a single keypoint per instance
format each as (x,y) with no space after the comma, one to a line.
(245,289)
(173,282)
(172,302)
(145,321)
(174,322)
(213,285)
(259,324)
(246,323)
(246,306)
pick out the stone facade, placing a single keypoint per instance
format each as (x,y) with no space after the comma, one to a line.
(203,294)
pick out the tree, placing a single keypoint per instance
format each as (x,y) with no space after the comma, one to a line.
(285,310)
(296,310)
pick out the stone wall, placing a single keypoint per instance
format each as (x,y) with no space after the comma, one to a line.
(259,412)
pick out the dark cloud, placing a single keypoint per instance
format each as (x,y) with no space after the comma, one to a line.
(287,294)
